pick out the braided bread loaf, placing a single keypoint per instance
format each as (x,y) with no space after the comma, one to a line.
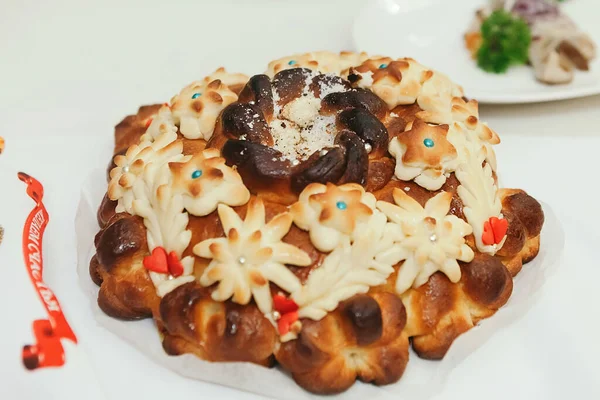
(336,209)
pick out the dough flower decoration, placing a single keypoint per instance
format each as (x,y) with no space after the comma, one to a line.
(163,123)
(433,241)
(424,154)
(250,256)
(129,168)
(205,181)
(404,81)
(196,107)
(322,61)
(395,81)
(468,113)
(466,121)
(331,213)
(436,97)
(351,268)
(234,81)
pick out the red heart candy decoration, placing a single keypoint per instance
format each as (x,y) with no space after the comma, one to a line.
(157,261)
(488,234)
(175,266)
(284,305)
(499,227)
(286,321)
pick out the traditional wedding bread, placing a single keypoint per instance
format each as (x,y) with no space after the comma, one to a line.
(324,217)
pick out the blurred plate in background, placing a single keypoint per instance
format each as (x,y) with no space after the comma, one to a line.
(431,31)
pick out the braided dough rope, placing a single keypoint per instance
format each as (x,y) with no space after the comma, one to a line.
(366,336)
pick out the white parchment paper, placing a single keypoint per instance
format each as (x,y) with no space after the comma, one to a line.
(422,379)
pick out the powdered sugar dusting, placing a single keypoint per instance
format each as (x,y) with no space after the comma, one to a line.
(276,99)
(297,143)
(307,82)
(366,79)
(331,87)
(298,129)
(302,111)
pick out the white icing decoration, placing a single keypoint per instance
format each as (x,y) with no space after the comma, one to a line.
(436,97)
(442,103)
(145,191)
(217,183)
(131,166)
(317,211)
(322,61)
(144,185)
(426,238)
(478,190)
(404,81)
(166,226)
(433,241)
(350,269)
(429,167)
(196,108)
(264,255)
(162,123)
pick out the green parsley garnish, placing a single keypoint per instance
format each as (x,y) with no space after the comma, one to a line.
(505,42)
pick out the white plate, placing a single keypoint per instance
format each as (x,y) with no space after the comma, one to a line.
(431,31)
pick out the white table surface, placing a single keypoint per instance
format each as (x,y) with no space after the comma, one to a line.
(70,70)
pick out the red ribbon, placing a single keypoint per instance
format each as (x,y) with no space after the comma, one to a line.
(48,350)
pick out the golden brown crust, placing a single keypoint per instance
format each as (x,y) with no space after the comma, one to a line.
(515,236)
(217,331)
(132,127)
(330,354)
(126,291)
(440,311)
(527,209)
(486,281)
(530,250)
(106,211)
(380,173)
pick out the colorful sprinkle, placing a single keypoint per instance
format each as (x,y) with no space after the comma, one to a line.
(383,66)
(341,205)
(196,95)
(428,142)
(196,174)
(292,62)
(148,122)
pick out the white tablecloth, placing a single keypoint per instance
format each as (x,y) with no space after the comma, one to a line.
(70,71)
